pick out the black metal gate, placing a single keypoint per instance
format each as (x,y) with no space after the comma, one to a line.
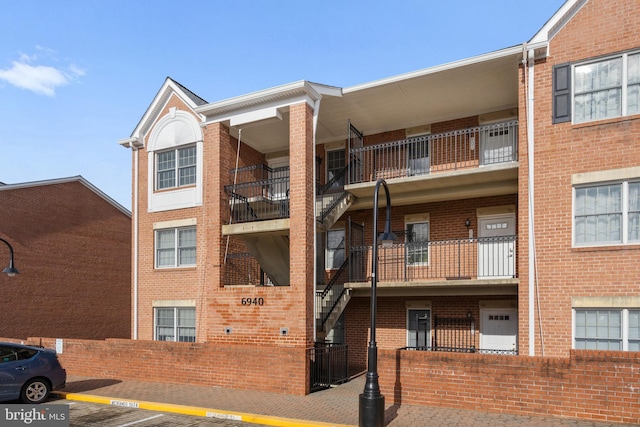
(454,334)
(328,365)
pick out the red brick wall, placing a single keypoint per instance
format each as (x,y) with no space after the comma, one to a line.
(600,386)
(562,150)
(251,367)
(168,284)
(72,249)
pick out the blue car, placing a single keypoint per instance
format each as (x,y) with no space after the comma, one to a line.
(29,373)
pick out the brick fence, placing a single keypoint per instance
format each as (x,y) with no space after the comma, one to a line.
(267,368)
(596,385)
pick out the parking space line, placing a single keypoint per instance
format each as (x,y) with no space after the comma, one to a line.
(141,421)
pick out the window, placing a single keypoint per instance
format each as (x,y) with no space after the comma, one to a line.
(607,214)
(417,243)
(176,247)
(335,249)
(335,167)
(607,329)
(176,168)
(175,324)
(602,89)
(418,328)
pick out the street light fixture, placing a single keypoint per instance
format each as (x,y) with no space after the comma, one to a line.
(11,270)
(371,410)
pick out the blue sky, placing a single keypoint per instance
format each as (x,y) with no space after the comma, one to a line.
(77,76)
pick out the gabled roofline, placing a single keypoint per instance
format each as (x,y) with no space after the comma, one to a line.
(314,91)
(168,88)
(557,21)
(77,178)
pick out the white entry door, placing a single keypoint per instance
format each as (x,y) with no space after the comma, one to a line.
(496,247)
(499,329)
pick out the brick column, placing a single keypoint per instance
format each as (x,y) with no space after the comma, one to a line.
(302,220)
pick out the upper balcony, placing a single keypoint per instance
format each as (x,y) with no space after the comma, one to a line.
(473,162)
(484,265)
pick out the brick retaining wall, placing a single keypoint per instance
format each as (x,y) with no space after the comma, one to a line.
(596,385)
(267,368)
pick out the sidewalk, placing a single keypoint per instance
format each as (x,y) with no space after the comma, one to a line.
(334,407)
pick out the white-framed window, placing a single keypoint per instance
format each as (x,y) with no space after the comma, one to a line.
(418,327)
(175,247)
(417,242)
(335,165)
(334,254)
(176,167)
(607,329)
(607,213)
(606,88)
(175,324)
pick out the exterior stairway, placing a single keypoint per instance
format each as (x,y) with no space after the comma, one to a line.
(272,253)
(331,206)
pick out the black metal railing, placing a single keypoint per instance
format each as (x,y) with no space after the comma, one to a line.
(331,194)
(455,259)
(455,334)
(328,365)
(459,149)
(464,350)
(259,193)
(327,299)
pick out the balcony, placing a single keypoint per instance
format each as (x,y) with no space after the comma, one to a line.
(466,262)
(260,193)
(474,162)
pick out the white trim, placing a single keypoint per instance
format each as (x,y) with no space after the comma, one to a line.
(177,223)
(437,69)
(283,95)
(622,174)
(632,302)
(176,129)
(174,303)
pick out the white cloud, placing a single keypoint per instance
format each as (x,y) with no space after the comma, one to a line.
(41,79)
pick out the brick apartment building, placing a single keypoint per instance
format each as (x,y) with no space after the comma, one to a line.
(514,180)
(71,247)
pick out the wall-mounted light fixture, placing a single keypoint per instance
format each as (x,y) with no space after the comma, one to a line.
(11,270)
(467,222)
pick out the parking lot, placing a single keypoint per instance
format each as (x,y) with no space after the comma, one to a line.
(83,414)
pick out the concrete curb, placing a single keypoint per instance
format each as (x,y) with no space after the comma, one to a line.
(195,411)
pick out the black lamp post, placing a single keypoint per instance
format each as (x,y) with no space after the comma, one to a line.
(371,400)
(11,270)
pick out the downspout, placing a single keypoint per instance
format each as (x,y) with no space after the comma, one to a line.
(135,239)
(316,112)
(528,60)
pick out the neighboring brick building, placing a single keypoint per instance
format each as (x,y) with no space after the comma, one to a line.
(515,196)
(72,246)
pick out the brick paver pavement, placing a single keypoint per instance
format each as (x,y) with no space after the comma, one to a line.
(337,405)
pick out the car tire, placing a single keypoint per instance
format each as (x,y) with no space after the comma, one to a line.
(35,390)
